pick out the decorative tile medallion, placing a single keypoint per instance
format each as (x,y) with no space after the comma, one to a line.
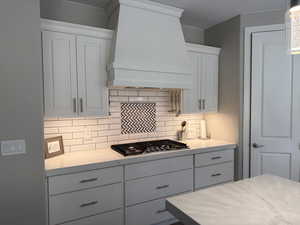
(138,118)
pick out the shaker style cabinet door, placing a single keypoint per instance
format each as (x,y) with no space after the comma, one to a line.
(191,97)
(92,57)
(60,78)
(209,83)
(203,95)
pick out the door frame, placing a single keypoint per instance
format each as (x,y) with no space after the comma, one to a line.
(249,31)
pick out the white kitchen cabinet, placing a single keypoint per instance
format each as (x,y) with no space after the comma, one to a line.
(122,194)
(214,168)
(203,95)
(60,77)
(74,62)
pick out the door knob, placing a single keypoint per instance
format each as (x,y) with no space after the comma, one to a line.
(255,145)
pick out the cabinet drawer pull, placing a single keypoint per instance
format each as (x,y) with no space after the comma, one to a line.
(216,157)
(216,175)
(162,187)
(88,180)
(81,105)
(200,104)
(88,204)
(74,105)
(161,211)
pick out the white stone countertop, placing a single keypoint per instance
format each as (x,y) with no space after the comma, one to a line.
(90,160)
(264,200)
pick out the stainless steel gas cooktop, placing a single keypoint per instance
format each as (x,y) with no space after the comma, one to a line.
(149,147)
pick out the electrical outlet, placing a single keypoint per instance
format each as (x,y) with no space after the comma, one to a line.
(13,147)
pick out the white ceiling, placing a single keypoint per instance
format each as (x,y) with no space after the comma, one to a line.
(205,13)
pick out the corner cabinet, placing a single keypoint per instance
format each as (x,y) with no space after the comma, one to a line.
(203,95)
(74,66)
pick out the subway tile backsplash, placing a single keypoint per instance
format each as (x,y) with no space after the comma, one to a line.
(87,134)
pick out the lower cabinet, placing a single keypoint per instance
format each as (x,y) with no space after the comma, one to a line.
(145,196)
(133,194)
(111,218)
(153,212)
(212,175)
(76,205)
(214,168)
(147,189)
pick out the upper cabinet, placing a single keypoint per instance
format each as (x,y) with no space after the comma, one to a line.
(74,65)
(203,95)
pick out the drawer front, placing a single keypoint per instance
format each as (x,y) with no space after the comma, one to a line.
(113,218)
(90,179)
(75,205)
(151,168)
(211,158)
(211,175)
(155,187)
(149,213)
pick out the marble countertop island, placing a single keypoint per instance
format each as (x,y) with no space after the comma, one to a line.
(264,200)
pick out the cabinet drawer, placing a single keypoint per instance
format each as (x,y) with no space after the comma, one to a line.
(75,205)
(155,187)
(90,179)
(113,218)
(207,176)
(151,168)
(149,213)
(214,158)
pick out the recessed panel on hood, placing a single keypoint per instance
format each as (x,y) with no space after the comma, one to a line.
(149,47)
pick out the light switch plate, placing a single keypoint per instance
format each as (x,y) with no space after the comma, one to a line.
(13,147)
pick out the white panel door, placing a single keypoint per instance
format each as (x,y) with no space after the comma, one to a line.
(60,79)
(209,82)
(273,149)
(92,57)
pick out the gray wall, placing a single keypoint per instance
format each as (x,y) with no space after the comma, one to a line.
(73,12)
(193,34)
(265,18)
(225,125)
(22,197)
(78,13)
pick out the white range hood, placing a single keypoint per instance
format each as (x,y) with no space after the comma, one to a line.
(149,48)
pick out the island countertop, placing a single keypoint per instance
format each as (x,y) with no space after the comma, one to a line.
(263,200)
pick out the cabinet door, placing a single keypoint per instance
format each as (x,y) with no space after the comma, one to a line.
(209,82)
(92,57)
(60,79)
(191,97)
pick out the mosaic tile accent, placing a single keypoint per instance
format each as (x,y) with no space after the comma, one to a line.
(138,118)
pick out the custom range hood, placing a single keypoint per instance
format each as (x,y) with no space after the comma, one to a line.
(148,48)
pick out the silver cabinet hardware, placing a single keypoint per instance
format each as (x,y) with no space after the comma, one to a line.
(216,175)
(161,211)
(200,104)
(81,105)
(162,187)
(88,180)
(216,157)
(88,204)
(204,104)
(74,105)
(255,145)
